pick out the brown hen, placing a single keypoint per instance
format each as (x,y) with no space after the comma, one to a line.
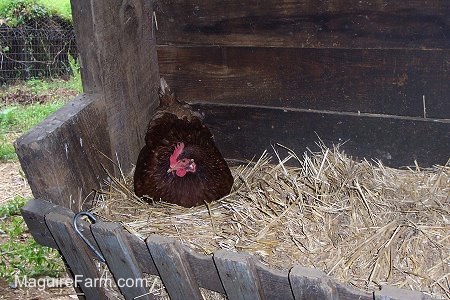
(180,163)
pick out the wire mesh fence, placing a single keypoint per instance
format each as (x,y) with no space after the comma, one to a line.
(39,50)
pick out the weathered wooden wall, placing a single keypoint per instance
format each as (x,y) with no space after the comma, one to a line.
(62,156)
(380,60)
(359,71)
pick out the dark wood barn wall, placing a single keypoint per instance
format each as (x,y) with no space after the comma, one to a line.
(284,71)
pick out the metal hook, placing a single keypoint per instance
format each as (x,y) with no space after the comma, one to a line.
(93,220)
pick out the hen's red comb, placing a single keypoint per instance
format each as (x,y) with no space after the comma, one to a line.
(178,149)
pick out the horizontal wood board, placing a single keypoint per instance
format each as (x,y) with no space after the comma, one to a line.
(364,24)
(265,276)
(61,157)
(392,82)
(396,142)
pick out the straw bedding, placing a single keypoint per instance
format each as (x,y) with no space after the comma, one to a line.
(360,222)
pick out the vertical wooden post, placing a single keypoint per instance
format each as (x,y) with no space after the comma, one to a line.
(238,275)
(84,27)
(121,260)
(173,268)
(126,51)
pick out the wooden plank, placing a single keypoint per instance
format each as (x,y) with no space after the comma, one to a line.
(83,23)
(34,213)
(129,72)
(121,260)
(204,270)
(395,141)
(78,290)
(238,275)
(173,268)
(275,283)
(311,284)
(76,254)
(60,156)
(141,253)
(392,293)
(326,24)
(390,81)
(349,293)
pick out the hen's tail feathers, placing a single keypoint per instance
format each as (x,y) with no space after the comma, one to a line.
(164,87)
(166,97)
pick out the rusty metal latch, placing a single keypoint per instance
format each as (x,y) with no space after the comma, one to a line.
(77,230)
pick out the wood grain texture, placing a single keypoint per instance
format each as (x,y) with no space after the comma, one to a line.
(76,254)
(60,156)
(395,141)
(33,214)
(120,260)
(84,28)
(129,72)
(204,270)
(389,82)
(173,268)
(317,24)
(275,283)
(238,275)
(140,250)
(311,284)
(393,293)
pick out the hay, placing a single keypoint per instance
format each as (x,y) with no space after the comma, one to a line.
(362,223)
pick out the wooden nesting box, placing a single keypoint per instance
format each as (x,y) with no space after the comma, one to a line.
(373,74)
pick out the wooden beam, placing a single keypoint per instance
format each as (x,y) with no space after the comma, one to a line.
(393,81)
(395,141)
(125,46)
(61,156)
(84,27)
(325,24)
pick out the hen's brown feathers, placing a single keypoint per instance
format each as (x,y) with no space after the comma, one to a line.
(175,123)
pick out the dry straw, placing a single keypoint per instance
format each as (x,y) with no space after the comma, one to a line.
(360,222)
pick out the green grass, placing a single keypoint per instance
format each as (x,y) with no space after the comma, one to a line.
(59,8)
(19,254)
(17,119)
(21,118)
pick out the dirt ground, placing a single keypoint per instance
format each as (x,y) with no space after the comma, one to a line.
(64,293)
(13,183)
